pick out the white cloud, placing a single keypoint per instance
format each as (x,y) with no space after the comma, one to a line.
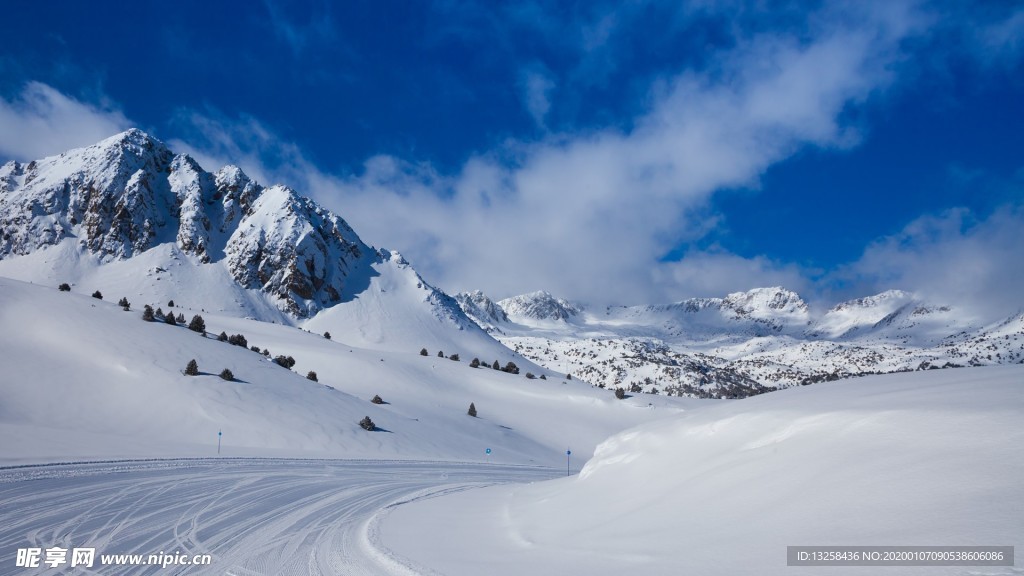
(590,215)
(952,258)
(536,85)
(40,121)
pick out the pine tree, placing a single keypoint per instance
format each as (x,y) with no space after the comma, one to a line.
(197,324)
(147,313)
(472,410)
(474,363)
(223,337)
(169,318)
(496,366)
(192,369)
(423,352)
(620,393)
(181,318)
(440,354)
(311,376)
(65,287)
(170,303)
(98,295)
(454,357)
(226,374)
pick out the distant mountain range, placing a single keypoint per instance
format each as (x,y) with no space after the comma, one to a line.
(744,343)
(130,217)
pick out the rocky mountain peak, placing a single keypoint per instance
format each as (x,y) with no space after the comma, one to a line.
(482,310)
(540,305)
(130,193)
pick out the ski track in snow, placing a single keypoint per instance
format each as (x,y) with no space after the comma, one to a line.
(254,516)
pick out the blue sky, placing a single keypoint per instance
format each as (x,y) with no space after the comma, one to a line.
(619,152)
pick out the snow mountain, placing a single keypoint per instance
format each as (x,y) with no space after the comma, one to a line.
(540,306)
(748,342)
(129,194)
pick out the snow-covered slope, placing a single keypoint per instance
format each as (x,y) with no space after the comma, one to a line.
(929,458)
(84,379)
(746,343)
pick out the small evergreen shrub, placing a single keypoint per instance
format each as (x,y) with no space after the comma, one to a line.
(285,361)
(170,303)
(472,410)
(226,374)
(238,340)
(474,363)
(377,399)
(311,376)
(197,324)
(98,295)
(423,352)
(530,376)
(454,357)
(440,354)
(192,368)
(327,335)
(169,318)
(620,393)
(222,337)
(147,313)
(367,424)
(65,287)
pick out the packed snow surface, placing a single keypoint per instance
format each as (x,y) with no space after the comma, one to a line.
(269,517)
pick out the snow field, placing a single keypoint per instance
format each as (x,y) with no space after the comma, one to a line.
(928,458)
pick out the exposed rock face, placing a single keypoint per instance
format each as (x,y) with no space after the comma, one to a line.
(129,193)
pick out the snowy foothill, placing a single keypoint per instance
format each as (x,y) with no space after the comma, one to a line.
(917,459)
(84,379)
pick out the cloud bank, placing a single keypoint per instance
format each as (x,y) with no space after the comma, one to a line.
(41,121)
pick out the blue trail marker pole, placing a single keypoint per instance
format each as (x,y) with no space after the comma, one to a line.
(488,452)
(568,454)
(219,434)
